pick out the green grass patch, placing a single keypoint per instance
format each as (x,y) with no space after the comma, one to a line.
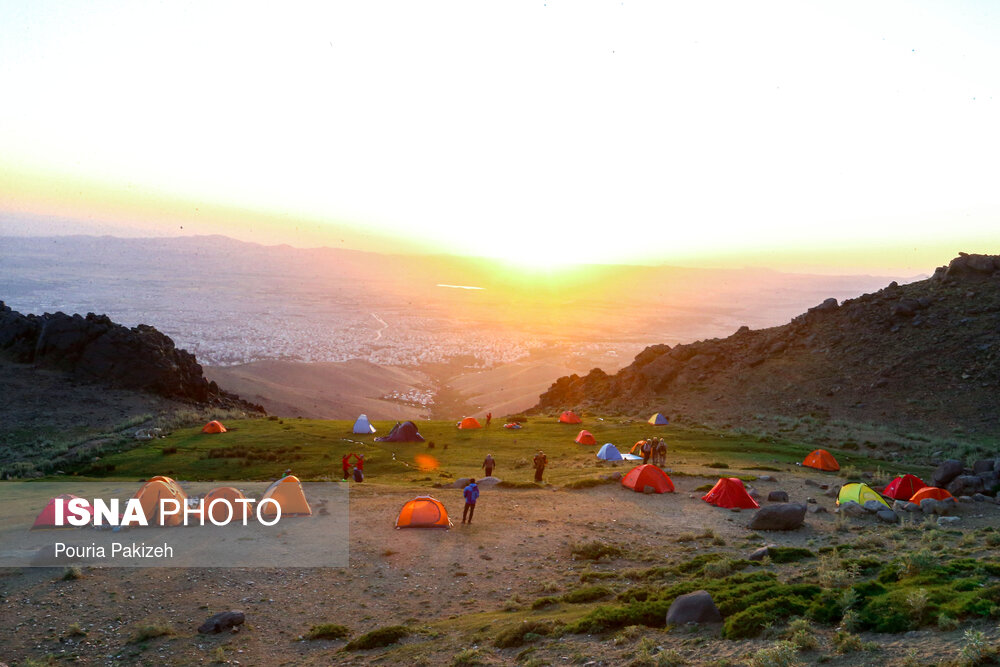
(328,631)
(596,550)
(788,554)
(526,631)
(378,638)
(587,594)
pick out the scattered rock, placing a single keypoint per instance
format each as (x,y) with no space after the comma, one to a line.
(221,622)
(834,492)
(911,507)
(768,478)
(965,499)
(980,497)
(759,554)
(817,509)
(811,501)
(484,482)
(965,485)
(984,465)
(852,508)
(696,607)
(787,516)
(810,482)
(947,471)
(948,520)
(874,506)
(778,496)
(929,505)
(887,516)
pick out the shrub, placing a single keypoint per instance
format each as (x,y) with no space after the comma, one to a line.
(802,635)
(724,568)
(378,638)
(750,621)
(975,650)
(468,658)
(781,654)
(788,554)
(587,594)
(517,635)
(717,464)
(328,631)
(595,550)
(541,603)
(153,630)
(72,574)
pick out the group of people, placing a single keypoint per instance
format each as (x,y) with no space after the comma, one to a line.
(654,451)
(355,470)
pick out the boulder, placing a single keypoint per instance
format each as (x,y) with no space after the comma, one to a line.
(484,482)
(929,505)
(760,554)
(874,506)
(787,516)
(984,465)
(887,516)
(768,478)
(965,485)
(965,499)
(852,508)
(911,507)
(981,497)
(778,496)
(461,483)
(696,607)
(221,622)
(833,492)
(947,471)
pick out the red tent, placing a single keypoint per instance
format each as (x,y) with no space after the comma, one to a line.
(931,492)
(639,477)
(730,492)
(585,438)
(903,488)
(569,417)
(821,460)
(47,518)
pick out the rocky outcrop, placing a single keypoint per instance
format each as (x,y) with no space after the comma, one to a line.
(924,355)
(92,348)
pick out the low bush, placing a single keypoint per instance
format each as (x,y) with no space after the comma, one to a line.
(328,631)
(378,638)
(788,554)
(517,635)
(595,550)
(587,594)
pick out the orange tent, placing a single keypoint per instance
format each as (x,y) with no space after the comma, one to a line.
(570,417)
(469,422)
(730,492)
(227,497)
(903,488)
(287,492)
(213,427)
(423,512)
(639,477)
(932,492)
(585,438)
(821,460)
(637,448)
(152,492)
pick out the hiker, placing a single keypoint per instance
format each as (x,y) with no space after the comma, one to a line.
(471,493)
(346,463)
(489,464)
(359,475)
(646,450)
(489,418)
(540,460)
(360,465)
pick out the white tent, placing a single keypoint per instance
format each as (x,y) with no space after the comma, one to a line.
(363,426)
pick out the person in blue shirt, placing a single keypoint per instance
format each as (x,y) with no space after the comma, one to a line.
(471,493)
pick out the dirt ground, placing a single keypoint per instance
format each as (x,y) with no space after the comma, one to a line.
(452,584)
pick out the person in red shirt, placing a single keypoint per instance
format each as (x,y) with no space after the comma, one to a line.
(346,463)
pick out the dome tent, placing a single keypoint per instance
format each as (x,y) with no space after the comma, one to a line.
(609,452)
(362,426)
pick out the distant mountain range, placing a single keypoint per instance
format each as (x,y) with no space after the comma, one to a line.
(923,356)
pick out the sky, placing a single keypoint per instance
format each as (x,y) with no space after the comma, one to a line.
(820,135)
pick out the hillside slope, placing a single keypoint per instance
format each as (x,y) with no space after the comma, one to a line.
(923,356)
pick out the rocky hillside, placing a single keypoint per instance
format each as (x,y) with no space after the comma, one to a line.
(922,356)
(95,349)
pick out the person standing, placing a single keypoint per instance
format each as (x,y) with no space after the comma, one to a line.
(346,463)
(489,464)
(471,493)
(540,462)
(647,450)
(489,418)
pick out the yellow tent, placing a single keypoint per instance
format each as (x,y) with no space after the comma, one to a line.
(859,493)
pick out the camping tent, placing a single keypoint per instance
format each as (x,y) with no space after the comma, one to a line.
(288,493)
(405,432)
(730,492)
(658,420)
(469,422)
(585,438)
(637,448)
(213,427)
(227,497)
(821,460)
(512,425)
(362,426)
(152,492)
(423,512)
(932,492)
(569,417)
(609,452)
(639,477)
(47,517)
(903,488)
(859,493)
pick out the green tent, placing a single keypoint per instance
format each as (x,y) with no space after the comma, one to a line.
(859,493)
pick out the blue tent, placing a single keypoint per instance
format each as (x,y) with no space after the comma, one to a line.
(658,420)
(363,426)
(609,453)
